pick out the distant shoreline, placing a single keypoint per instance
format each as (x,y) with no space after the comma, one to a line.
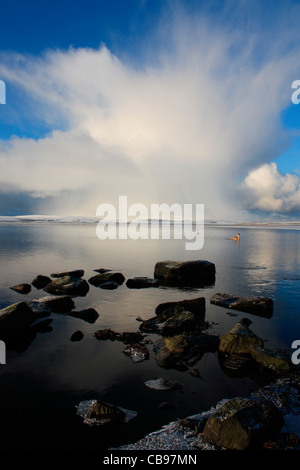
(30,219)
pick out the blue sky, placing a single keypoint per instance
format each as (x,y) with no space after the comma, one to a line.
(164,101)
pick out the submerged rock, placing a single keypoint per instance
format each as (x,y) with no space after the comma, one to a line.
(243,423)
(138,352)
(22,288)
(75,273)
(162,384)
(48,304)
(15,317)
(40,281)
(68,285)
(142,282)
(185,273)
(261,306)
(102,278)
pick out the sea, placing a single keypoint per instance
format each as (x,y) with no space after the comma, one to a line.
(47,376)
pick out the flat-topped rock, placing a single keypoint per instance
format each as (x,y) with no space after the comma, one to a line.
(75,273)
(67,285)
(189,273)
(105,277)
(142,282)
(262,306)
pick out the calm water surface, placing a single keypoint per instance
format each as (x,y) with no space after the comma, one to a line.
(48,375)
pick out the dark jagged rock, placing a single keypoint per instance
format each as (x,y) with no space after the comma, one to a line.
(177,350)
(142,283)
(243,423)
(101,278)
(261,306)
(15,317)
(185,273)
(174,320)
(196,306)
(68,285)
(107,334)
(241,340)
(89,315)
(75,273)
(48,304)
(22,288)
(126,337)
(40,281)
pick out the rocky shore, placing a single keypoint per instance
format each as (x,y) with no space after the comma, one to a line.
(268,418)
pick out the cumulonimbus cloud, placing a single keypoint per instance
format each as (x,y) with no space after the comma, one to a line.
(186,127)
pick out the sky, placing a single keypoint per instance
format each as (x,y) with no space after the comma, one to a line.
(162,101)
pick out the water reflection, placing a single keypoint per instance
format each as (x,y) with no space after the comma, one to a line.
(44,360)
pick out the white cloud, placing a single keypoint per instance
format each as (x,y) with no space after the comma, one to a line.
(181,130)
(269,190)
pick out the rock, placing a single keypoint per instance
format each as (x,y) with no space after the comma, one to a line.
(261,306)
(67,285)
(104,412)
(270,359)
(89,315)
(176,351)
(126,337)
(138,352)
(77,336)
(142,282)
(22,288)
(110,285)
(239,340)
(129,337)
(95,412)
(162,384)
(101,278)
(107,334)
(185,273)
(243,423)
(173,320)
(196,306)
(39,282)
(75,273)
(181,322)
(102,270)
(15,317)
(48,304)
